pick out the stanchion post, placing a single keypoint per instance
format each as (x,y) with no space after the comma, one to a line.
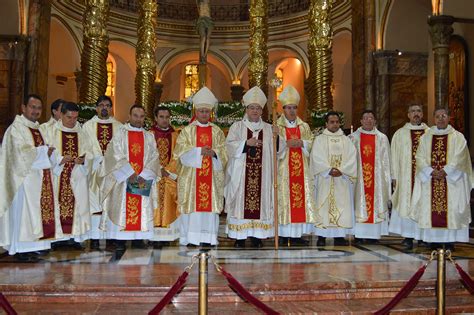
(203,273)
(441,282)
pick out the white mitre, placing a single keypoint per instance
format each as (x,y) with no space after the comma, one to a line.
(289,96)
(254,96)
(204,99)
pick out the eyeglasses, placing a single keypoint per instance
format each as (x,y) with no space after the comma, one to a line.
(107,105)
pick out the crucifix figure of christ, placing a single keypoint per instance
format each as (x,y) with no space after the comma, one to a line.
(204,26)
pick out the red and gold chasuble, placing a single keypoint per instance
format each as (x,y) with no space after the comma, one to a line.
(136,153)
(46,200)
(253,179)
(415,141)
(204,174)
(367,155)
(439,187)
(296,178)
(104,135)
(70,146)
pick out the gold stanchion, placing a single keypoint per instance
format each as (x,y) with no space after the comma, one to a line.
(203,283)
(441,282)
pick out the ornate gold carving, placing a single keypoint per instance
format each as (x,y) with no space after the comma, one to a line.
(320,54)
(94,53)
(145,54)
(258,63)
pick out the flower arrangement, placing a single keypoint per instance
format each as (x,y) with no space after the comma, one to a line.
(86,112)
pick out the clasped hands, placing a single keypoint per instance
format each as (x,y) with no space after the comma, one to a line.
(134,178)
(207,151)
(334,172)
(438,174)
(70,159)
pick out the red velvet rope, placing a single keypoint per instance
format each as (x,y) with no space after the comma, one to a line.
(246,295)
(171,293)
(403,293)
(466,279)
(6,306)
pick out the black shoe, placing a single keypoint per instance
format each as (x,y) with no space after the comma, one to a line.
(26,257)
(239,244)
(321,241)
(206,245)
(75,245)
(283,241)
(157,245)
(191,246)
(120,245)
(358,240)
(340,241)
(408,243)
(139,244)
(256,242)
(371,241)
(449,246)
(94,244)
(299,241)
(424,244)
(43,252)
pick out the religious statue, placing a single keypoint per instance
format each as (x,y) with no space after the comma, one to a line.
(204,26)
(437,6)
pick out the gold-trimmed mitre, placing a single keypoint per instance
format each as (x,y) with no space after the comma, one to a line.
(204,99)
(289,96)
(254,96)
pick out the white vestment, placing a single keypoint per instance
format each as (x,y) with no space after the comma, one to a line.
(382,185)
(234,192)
(198,227)
(98,139)
(44,127)
(79,180)
(458,182)
(116,169)
(402,163)
(21,178)
(334,195)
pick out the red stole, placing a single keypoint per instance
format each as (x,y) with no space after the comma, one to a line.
(204,174)
(136,153)
(104,135)
(415,141)
(47,200)
(67,200)
(296,177)
(253,179)
(439,187)
(163,144)
(367,155)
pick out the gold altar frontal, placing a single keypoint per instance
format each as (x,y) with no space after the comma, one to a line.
(356,279)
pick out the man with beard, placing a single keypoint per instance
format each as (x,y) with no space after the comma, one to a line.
(404,145)
(130,170)
(27,209)
(100,130)
(165,220)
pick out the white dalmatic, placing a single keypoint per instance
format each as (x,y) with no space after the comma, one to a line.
(405,142)
(442,207)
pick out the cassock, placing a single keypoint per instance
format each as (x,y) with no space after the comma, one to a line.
(405,143)
(249,181)
(100,133)
(441,207)
(200,182)
(166,214)
(373,186)
(71,186)
(296,204)
(27,209)
(128,215)
(334,195)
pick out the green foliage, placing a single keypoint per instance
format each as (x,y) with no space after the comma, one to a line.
(86,112)
(318,119)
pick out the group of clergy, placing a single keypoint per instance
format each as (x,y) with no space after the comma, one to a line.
(63,183)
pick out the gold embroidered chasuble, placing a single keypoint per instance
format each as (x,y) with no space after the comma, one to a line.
(381,180)
(403,152)
(186,183)
(72,140)
(285,188)
(100,133)
(16,168)
(334,204)
(113,192)
(457,160)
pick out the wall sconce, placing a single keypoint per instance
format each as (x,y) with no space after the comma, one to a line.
(236,82)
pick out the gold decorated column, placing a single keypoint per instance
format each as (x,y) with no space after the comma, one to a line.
(320,55)
(258,63)
(145,55)
(94,53)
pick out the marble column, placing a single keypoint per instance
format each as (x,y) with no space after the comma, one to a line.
(440,30)
(258,63)
(95,51)
(39,21)
(145,55)
(236,92)
(320,55)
